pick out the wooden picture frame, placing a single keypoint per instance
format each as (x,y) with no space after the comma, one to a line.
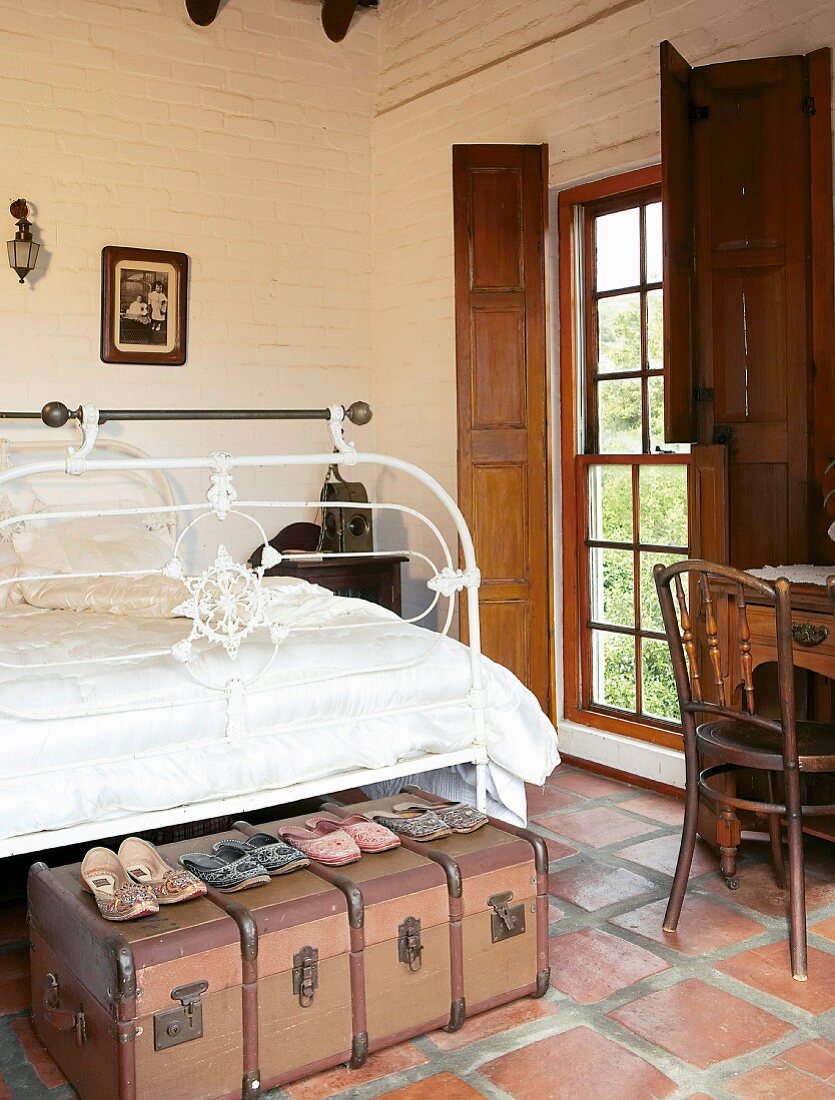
(144,297)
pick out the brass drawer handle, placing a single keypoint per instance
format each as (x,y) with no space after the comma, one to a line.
(809,634)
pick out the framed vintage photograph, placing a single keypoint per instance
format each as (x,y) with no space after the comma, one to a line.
(143,305)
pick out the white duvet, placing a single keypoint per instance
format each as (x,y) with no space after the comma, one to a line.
(95,741)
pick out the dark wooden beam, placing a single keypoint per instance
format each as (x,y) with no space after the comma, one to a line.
(336,17)
(202,12)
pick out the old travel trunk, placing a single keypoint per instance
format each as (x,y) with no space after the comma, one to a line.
(497,879)
(399,913)
(301,994)
(138,1010)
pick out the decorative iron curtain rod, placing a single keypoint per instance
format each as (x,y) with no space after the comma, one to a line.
(55,414)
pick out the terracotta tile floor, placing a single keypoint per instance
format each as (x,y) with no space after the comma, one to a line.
(632,1014)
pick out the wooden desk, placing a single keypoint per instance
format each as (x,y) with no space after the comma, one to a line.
(813,629)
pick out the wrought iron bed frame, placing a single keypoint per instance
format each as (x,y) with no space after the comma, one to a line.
(221,502)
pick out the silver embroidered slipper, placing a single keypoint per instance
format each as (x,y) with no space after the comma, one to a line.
(277,857)
(416,823)
(458,816)
(226,871)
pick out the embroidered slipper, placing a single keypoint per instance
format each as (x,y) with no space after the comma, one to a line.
(146,866)
(420,823)
(369,835)
(227,871)
(334,848)
(459,816)
(277,857)
(117,895)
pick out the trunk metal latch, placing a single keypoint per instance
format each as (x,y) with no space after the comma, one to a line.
(181,1025)
(506,921)
(306,975)
(409,947)
(60,1018)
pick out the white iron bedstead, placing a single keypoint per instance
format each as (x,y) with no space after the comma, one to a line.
(247,616)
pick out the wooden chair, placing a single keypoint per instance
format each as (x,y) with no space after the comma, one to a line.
(740,738)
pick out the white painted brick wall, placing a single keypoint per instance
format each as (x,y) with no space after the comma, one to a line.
(246,145)
(591,94)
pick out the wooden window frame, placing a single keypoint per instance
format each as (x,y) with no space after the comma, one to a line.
(572,252)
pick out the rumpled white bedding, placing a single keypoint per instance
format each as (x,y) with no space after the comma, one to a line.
(92,742)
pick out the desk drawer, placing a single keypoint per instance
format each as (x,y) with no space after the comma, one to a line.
(812,634)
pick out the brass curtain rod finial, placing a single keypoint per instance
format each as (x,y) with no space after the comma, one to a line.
(359,413)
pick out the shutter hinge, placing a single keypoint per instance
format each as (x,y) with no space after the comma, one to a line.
(703,393)
(698,114)
(809,105)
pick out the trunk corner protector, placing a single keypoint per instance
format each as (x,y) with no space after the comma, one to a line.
(457,1015)
(126,989)
(247,928)
(251,1085)
(359,1050)
(353,896)
(543,981)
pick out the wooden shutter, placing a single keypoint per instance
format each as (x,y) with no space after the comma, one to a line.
(709,503)
(677,215)
(500,215)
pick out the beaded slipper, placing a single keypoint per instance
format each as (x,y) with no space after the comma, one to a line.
(226,871)
(460,817)
(370,836)
(277,857)
(334,848)
(419,823)
(117,895)
(146,866)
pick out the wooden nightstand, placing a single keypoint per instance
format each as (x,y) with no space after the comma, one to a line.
(374,579)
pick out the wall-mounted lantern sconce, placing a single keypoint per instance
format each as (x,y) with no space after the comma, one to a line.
(23,251)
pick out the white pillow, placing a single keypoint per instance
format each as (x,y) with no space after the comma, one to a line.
(147,597)
(99,544)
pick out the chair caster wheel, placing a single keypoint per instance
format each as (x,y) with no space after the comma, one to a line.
(732,882)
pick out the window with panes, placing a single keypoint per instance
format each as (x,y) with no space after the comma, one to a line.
(632,488)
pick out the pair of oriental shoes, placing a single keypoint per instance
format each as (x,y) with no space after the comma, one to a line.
(336,841)
(423,823)
(136,882)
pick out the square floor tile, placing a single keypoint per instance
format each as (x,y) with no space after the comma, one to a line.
(777,1081)
(597,827)
(591,965)
(441,1086)
(592,886)
(669,811)
(13,924)
(556,850)
(36,1054)
(758,890)
(14,981)
(661,854)
(816,1057)
(577,1065)
(825,928)
(496,1021)
(543,800)
(699,1023)
(554,912)
(703,926)
(589,785)
(768,969)
(332,1081)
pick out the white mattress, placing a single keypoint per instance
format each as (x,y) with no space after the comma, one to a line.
(95,741)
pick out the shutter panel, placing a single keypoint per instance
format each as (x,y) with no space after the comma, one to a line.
(677,212)
(709,509)
(500,216)
(819,88)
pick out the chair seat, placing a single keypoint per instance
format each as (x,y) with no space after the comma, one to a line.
(735,739)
